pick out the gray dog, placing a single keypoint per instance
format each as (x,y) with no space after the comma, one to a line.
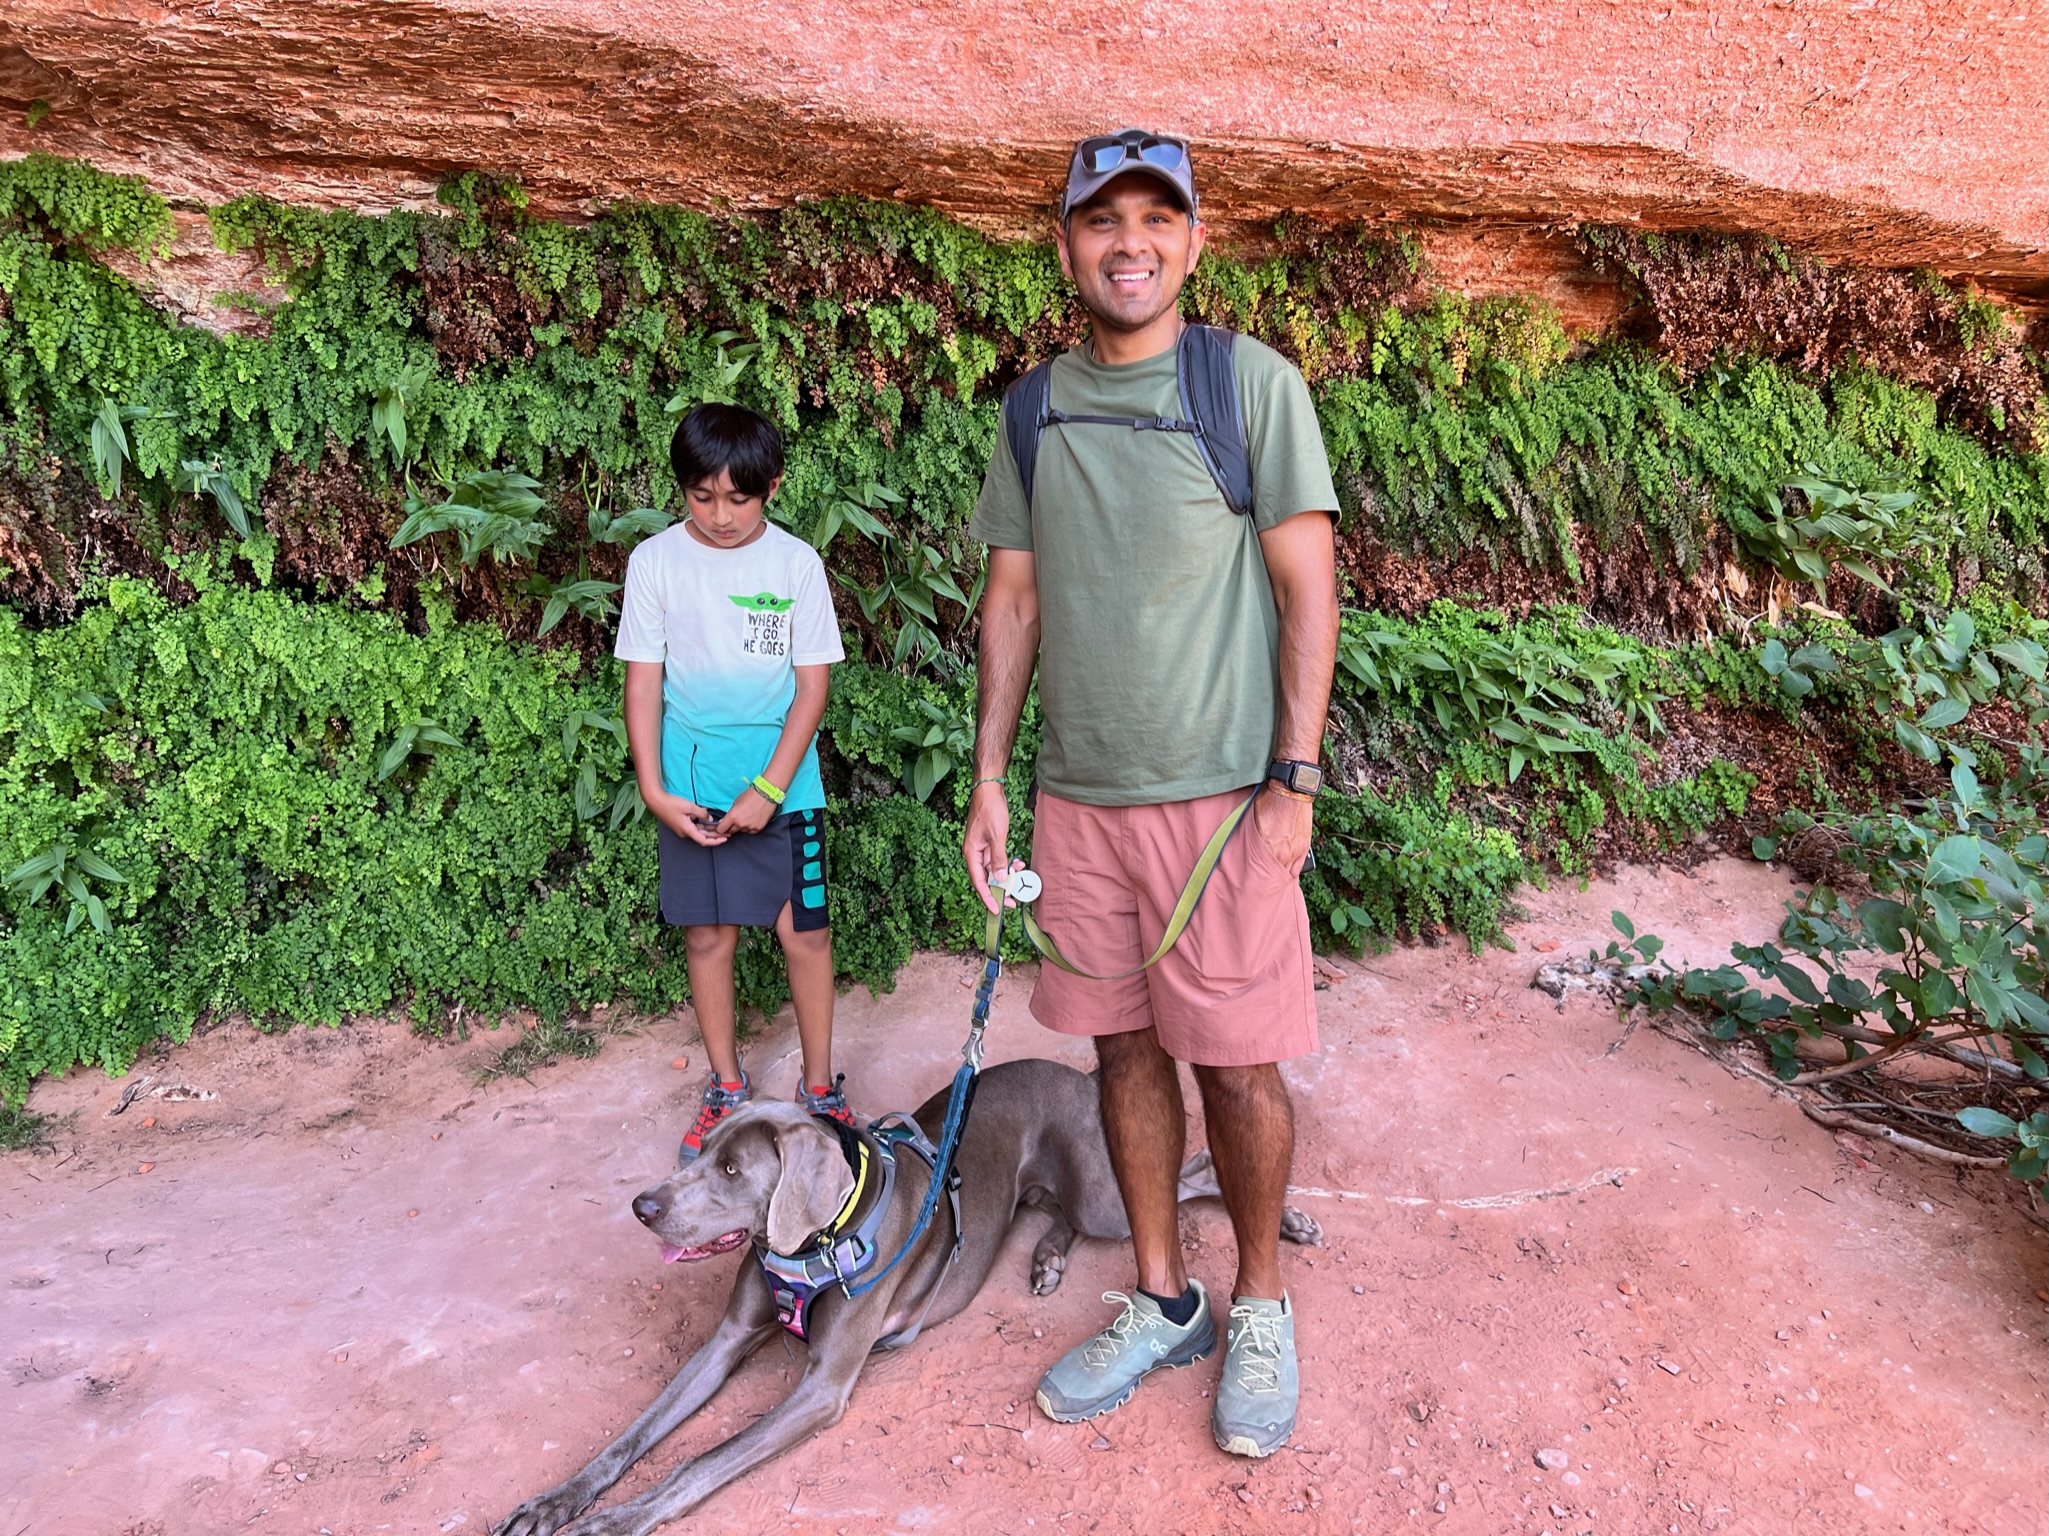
(771,1174)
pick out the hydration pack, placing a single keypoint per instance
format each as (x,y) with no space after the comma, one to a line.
(1210,412)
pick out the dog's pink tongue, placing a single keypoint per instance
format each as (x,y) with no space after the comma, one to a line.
(671,1253)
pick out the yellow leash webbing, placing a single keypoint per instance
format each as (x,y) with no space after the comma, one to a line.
(1177,920)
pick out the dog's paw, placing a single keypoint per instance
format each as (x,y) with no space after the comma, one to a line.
(1300,1227)
(1048,1267)
(545,1513)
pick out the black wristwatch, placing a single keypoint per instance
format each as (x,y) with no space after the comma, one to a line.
(1301,778)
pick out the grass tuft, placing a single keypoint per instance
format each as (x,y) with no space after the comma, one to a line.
(542,1045)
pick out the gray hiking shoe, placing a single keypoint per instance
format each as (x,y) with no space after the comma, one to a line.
(1101,1373)
(717,1103)
(1254,1411)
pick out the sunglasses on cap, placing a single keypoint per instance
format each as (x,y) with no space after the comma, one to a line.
(1109,150)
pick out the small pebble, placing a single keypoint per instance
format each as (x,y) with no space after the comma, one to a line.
(412,1213)
(1861,1491)
(437,1136)
(1571,1479)
(1667,1367)
(1557,1511)
(1626,1287)
(281,1468)
(1099,1444)
(300,1476)
(1419,1411)
(1553,1460)
(681,1064)
(144,1167)
(1244,1495)
(1438,1508)
(959,1460)
(152,1120)
(341,1359)
(627,1352)
(1360,1290)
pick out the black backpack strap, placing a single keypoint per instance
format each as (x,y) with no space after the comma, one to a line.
(1026,405)
(1209,395)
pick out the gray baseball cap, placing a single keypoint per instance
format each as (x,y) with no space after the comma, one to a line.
(1103,158)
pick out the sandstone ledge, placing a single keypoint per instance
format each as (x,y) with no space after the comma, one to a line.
(1901,135)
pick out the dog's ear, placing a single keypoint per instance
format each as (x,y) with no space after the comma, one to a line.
(815,1183)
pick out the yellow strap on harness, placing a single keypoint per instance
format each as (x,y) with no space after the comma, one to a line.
(1177,920)
(832,1228)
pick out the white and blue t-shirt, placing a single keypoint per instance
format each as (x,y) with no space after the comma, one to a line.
(730,626)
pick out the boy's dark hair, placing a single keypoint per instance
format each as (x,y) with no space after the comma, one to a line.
(730,437)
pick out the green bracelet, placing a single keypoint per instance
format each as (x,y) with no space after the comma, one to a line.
(767,790)
(993,778)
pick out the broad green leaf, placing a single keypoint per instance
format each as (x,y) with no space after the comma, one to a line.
(1884,921)
(98,867)
(1764,848)
(1622,924)
(2025,656)
(1980,1121)
(1943,713)
(1957,857)
(1800,984)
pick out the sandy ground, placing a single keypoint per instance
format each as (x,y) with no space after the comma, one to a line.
(356,1291)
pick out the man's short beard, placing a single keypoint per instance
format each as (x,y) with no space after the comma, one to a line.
(1171,302)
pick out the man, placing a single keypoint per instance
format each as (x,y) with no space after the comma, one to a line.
(1183,651)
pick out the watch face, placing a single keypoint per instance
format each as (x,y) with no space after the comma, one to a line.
(1302,778)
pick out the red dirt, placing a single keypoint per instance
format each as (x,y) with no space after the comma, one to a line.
(259,1332)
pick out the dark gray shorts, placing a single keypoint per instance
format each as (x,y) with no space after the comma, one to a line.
(747,879)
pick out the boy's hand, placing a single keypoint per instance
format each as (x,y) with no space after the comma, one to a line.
(685,818)
(750,813)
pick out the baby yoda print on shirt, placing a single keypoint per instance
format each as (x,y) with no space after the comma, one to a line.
(768,624)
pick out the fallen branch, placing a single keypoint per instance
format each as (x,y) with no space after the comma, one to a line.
(1836,1121)
(1689,1034)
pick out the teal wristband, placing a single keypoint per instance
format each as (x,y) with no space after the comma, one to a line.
(993,778)
(767,790)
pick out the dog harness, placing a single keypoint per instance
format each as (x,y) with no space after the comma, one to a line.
(844,1249)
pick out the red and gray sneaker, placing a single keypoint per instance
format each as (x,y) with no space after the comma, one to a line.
(829,1101)
(719,1102)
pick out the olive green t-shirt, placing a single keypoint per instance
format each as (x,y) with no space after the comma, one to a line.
(1158,640)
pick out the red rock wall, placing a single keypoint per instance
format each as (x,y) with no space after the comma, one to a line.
(1901,133)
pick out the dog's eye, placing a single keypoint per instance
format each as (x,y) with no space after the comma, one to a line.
(731,1171)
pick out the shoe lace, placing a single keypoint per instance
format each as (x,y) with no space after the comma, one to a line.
(718,1103)
(1256,1350)
(1111,1342)
(830,1101)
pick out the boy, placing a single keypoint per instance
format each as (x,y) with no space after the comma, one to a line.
(727,631)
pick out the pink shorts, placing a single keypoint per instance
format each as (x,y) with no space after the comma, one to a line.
(1237,990)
